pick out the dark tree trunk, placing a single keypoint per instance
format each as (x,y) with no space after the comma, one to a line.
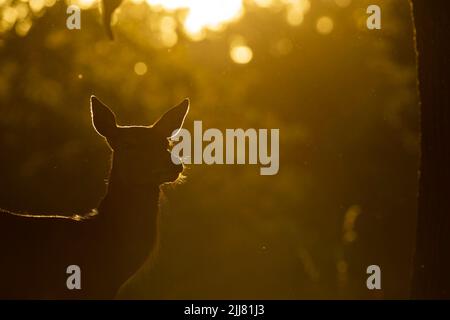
(431,278)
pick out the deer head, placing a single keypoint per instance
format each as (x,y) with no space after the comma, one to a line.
(140,153)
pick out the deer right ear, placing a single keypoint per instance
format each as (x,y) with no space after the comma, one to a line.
(172,121)
(103,118)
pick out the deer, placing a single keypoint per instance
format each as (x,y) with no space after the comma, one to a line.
(110,243)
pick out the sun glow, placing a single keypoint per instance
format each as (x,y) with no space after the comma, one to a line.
(194,17)
(202,15)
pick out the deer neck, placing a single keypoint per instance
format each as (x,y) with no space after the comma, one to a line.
(128,202)
(129,213)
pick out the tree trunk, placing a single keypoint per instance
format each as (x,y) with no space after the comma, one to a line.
(431,277)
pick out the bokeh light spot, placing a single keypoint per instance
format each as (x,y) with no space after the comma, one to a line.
(37,5)
(343,3)
(241,54)
(294,16)
(23,27)
(140,68)
(325,25)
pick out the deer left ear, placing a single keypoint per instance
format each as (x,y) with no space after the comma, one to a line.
(172,121)
(103,118)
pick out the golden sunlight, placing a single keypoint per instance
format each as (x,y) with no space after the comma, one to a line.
(202,15)
(196,17)
(84,4)
(264,3)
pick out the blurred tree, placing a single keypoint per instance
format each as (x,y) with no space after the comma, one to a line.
(432,259)
(109,7)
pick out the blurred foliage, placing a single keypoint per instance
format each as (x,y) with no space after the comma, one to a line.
(343,97)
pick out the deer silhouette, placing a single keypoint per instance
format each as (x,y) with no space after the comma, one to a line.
(110,243)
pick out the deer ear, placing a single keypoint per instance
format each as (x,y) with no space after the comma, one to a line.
(172,121)
(103,118)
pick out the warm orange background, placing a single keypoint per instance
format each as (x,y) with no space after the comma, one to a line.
(342,96)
